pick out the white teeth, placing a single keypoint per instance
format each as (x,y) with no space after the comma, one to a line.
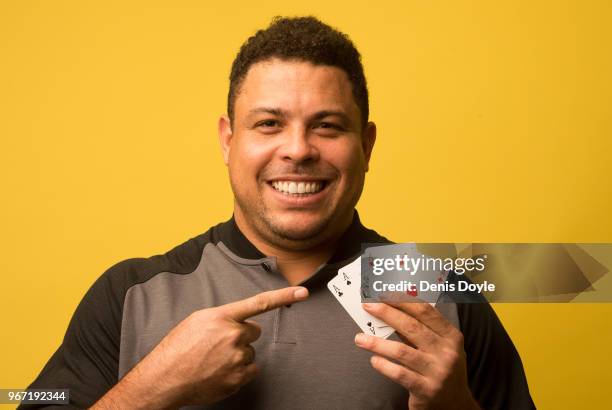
(297,188)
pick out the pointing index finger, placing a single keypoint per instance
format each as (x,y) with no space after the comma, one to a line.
(263,302)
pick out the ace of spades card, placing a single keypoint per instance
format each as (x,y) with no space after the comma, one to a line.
(346,287)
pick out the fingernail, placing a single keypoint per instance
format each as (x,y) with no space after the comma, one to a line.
(301,293)
(368,305)
(360,339)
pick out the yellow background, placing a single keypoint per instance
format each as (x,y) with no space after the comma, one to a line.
(494,125)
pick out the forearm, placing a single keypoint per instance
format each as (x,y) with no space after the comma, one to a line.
(142,388)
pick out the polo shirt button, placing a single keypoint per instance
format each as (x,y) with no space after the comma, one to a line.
(266,267)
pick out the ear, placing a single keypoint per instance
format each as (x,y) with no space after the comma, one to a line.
(368,138)
(225,137)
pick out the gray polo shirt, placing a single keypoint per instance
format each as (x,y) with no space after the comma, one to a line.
(306,353)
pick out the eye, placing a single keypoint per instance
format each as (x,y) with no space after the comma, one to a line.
(329,129)
(267,123)
(328,125)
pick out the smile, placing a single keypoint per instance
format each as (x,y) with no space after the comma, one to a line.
(298,188)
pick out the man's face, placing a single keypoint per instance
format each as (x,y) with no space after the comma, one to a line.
(297,153)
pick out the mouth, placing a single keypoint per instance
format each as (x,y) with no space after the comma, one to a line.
(297,189)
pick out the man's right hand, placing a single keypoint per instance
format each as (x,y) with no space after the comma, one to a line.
(202,360)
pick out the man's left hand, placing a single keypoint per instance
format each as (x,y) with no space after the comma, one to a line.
(430,364)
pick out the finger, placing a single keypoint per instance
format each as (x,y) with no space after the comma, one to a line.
(263,302)
(411,380)
(428,315)
(409,357)
(249,357)
(249,373)
(414,331)
(250,332)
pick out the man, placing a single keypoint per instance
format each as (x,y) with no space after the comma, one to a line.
(240,317)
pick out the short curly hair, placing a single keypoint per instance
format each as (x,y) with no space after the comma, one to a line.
(304,39)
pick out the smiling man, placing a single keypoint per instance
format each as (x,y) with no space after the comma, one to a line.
(239,316)
(297,148)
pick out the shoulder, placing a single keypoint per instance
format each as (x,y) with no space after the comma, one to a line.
(105,297)
(87,361)
(182,259)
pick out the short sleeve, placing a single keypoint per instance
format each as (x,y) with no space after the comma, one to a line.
(86,362)
(495,371)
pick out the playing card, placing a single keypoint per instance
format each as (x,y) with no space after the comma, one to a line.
(350,274)
(346,289)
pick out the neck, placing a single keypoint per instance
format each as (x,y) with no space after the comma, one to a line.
(296,263)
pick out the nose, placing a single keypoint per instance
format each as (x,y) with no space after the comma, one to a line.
(297,146)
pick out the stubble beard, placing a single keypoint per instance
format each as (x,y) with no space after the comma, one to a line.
(259,217)
(280,235)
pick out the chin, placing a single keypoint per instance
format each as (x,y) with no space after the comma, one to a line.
(298,227)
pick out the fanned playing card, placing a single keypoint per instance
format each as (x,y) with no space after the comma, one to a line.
(346,287)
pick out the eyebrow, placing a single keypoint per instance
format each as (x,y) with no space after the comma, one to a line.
(317,116)
(267,110)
